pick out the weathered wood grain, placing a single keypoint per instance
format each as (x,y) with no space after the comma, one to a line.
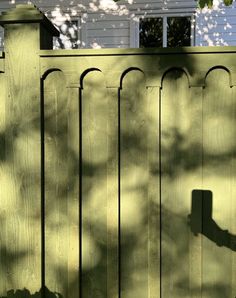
(4,182)
(23,223)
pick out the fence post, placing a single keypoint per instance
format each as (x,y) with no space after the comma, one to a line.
(27,31)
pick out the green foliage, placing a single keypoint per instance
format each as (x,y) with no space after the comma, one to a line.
(203,3)
(208,3)
(228,2)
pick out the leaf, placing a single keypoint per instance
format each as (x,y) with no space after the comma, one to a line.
(228,2)
(208,3)
(202,3)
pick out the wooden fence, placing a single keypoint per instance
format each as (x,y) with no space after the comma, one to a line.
(117,168)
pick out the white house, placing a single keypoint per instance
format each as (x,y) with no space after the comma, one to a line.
(109,24)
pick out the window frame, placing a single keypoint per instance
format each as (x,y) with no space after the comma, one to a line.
(135,22)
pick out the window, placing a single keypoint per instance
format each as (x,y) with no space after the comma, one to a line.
(150,32)
(178,31)
(167,31)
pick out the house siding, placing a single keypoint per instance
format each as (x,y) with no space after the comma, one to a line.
(106,24)
(216,26)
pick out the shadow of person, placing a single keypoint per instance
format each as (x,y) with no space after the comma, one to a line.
(201,221)
(25,293)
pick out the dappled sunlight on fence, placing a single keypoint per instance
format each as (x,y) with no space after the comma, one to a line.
(97,169)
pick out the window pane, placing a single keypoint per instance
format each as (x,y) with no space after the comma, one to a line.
(178,31)
(150,32)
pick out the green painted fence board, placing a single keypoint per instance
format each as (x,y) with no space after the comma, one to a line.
(117,168)
(22,223)
(57,172)
(133,186)
(218,157)
(181,172)
(95,161)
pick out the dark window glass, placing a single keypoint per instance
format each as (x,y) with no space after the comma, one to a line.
(178,31)
(150,32)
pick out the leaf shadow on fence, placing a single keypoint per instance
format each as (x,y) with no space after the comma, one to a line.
(26,294)
(181,162)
